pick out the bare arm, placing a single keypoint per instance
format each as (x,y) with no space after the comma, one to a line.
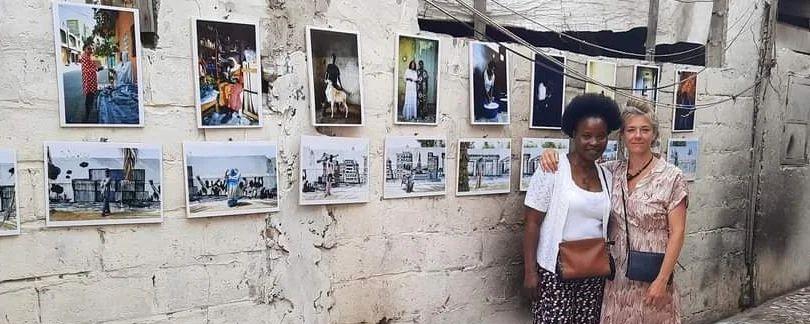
(531,234)
(677,226)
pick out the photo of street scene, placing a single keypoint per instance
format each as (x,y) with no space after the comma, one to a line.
(484,166)
(102,183)
(9,222)
(227,74)
(229,178)
(530,156)
(334,170)
(683,153)
(97,65)
(414,167)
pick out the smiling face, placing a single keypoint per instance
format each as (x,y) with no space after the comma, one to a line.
(638,134)
(590,138)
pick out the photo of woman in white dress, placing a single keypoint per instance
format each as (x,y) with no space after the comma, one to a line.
(411,77)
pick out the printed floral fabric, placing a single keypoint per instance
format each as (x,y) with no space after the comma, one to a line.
(564,302)
(648,207)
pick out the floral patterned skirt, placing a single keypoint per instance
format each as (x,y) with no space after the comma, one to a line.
(567,301)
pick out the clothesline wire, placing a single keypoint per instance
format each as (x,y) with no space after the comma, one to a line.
(579,40)
(575,75)
(584,79)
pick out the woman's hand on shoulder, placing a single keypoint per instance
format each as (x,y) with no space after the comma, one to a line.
(549,160)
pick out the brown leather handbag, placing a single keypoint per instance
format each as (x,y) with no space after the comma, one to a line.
(582,259)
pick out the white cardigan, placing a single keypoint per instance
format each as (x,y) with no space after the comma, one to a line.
(541,196)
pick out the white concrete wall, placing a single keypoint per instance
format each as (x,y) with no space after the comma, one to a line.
(426,260)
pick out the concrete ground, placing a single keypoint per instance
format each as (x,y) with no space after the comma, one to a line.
(790,308)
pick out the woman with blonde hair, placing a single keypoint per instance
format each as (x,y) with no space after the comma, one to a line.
(647,224)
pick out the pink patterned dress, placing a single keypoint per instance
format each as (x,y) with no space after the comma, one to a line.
(648,207)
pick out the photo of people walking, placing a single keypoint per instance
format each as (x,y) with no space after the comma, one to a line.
(334,170)
(103,183)
(97,65)
(414,167)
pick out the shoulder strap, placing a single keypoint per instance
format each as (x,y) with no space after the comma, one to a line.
(626,224)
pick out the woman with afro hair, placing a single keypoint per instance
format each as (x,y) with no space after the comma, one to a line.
(569,205)
(649,198)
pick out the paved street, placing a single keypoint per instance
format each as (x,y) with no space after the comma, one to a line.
(791,308)
(74,97)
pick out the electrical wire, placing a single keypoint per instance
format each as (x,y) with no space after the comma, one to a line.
(751,11)
(574,74)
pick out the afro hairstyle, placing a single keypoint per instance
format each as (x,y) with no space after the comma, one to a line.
(591,105)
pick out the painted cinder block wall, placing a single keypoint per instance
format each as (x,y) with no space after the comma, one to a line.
(427,260)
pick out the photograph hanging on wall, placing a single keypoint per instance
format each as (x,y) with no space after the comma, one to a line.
(683,116)
(417,80)
(683,153)
(102,183)
(611,152)
(414,167)
(335,77)
(9,219)
(489,84)
(603,72)
(230,178)
(484,166)
(334,170)
(645,81)
(530,156)
(227,73)
(97,67)
(548,92)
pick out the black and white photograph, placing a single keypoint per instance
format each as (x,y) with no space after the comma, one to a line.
(334,170)
(645,81)
(530,156)
(102,183)
(484,166)
(417,80)
(98,72)
(489,84)
(227,73)
(548,92)
(414,167)
(9,216)
(335,77)
(231,178)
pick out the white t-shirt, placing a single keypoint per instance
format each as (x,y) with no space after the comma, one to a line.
(547,193)
(585,210)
